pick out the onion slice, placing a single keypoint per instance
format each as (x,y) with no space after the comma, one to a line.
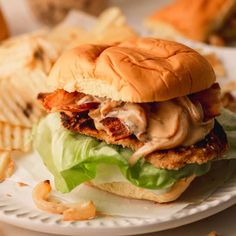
(75,212)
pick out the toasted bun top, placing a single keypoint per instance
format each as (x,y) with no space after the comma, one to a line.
(138,70)
(197,19)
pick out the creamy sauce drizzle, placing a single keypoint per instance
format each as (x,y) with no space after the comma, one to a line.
(130,114)
(102,112)
(133,116)
(173,123)
(168,124)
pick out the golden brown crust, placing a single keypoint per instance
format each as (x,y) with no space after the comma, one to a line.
(196,20)
(85,125)
(120,71)
(212,147)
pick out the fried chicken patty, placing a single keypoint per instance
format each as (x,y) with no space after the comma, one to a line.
(212,147)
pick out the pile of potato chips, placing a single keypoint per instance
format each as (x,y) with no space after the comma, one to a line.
(25,62)
(109,27)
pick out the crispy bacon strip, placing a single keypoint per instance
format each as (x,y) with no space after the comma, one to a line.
(112,125)
(209,100)
(61,100)
(57,99)
(76,109)
(73,120)
(115,127)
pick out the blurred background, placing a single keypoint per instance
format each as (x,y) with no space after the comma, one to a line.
(31,14)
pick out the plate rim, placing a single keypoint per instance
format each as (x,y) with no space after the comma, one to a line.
(214,204)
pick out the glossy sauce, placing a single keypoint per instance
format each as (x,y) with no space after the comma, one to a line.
(165,125)
(173,123)
(133,116)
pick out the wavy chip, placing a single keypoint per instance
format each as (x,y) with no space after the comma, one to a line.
(62,36)
(111,17)
(6,165)
(14,138)
(111,26)
(18,98)
(30,51)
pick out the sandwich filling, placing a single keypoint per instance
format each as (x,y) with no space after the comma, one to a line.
(182,121)
(74,159)
(92,139)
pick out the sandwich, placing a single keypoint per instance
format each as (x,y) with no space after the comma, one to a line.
(208,21)
(135,118)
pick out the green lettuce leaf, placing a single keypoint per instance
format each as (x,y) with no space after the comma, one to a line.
(228,121)
(74,158)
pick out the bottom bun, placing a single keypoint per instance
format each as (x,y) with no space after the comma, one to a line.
(129,190)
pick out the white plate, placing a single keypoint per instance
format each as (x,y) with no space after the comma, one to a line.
(21,213)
